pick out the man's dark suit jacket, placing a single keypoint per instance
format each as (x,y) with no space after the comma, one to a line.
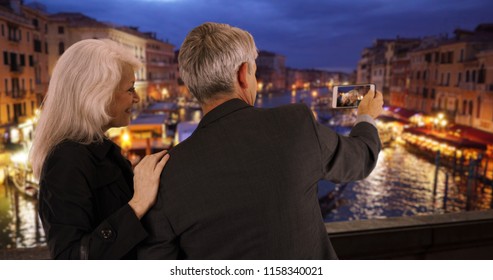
(244,185)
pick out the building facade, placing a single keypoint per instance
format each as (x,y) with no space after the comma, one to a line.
(436,74)
(454,77)
(271,71)
(161,69)
(24,56)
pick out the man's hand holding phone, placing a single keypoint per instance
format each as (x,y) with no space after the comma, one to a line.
(371,104)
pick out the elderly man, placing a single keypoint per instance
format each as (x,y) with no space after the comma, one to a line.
(244,184)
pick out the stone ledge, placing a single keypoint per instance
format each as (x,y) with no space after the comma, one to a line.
(36,253)
(467,235)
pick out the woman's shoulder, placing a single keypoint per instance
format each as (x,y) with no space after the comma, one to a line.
(68,147)
(69,153)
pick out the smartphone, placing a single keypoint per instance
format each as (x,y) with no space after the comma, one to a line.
(349,96)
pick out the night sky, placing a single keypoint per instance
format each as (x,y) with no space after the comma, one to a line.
(325,34)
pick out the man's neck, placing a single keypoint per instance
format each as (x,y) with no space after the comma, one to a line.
(211,104)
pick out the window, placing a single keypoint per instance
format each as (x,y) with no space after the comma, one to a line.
(467,76)
(61,48)
(481,75)
(464,106)
(13,33)
(450,57)
(459,78)
(22,60)
(432,93)
(470,107)
(5,58)
(448,79)
(35,23)
(461,55)
(478,114)
(473,79)
(46,28)
(13,61)
(428,57)
(37,45)
(61,30)
(31,61)
(28,36)
(425,93)
(418,74)
(15,87)
(37,74)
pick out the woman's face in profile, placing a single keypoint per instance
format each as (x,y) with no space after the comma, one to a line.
(123,99)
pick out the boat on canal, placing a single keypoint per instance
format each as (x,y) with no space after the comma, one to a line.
(19,174)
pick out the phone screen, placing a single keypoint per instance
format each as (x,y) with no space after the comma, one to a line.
(349,96)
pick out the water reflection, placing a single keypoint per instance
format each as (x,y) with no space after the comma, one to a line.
(19,222)
(402,183)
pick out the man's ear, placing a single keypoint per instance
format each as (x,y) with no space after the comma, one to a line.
(242,75)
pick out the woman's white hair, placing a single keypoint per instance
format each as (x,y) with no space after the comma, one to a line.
(79,94)
(210,58)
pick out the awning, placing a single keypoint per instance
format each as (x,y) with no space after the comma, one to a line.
(449,139)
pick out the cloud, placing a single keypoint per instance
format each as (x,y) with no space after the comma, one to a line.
(310,33)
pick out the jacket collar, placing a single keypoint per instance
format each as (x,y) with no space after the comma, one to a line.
(222,110)
(101,150)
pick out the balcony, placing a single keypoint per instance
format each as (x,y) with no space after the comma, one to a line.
(485,87)
(17,94)
(468,86)
(14,39)
(15,68)
(463,119)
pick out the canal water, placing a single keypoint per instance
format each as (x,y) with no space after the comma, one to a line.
(20,226)
(402,184)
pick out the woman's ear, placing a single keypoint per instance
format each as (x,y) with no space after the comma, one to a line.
(242,75)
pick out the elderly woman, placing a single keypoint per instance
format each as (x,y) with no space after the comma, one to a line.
(90,200)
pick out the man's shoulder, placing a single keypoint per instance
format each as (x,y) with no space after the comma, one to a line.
(290,108)
(289,112)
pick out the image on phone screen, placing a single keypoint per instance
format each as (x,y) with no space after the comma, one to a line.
(349,96)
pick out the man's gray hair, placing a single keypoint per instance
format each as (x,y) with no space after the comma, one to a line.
(210,58)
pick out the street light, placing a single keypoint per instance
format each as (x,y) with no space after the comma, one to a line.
(443,123)
(260,86)
(164,93)
(126,142)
